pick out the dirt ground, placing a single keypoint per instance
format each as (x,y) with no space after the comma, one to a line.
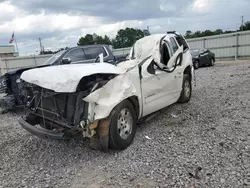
(205,143)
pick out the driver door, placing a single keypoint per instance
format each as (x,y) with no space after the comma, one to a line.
(160,88)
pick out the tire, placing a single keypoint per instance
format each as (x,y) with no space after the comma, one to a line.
(196,64)
(122,126)
(211,62)
(186,89)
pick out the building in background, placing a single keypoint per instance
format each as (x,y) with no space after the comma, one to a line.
(8,51)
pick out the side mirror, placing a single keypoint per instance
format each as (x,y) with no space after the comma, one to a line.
(66,61)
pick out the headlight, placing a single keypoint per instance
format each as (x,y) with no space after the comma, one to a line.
(18,80)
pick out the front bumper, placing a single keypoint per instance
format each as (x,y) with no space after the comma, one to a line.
(41,132)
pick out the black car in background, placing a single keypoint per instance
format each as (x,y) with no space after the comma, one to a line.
(11,85)
(202,57)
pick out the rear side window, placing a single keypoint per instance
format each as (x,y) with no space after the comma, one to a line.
(76,55)
(174,44)
(181,42)
(93,52)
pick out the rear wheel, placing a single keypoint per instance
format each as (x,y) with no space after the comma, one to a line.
(211,62)
(196,64)
(122,126)
(186,89)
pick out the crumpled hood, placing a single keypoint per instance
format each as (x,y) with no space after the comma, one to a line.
(65,78)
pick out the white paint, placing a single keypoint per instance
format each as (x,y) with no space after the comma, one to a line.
(154,91)
(115,91)
(65,78)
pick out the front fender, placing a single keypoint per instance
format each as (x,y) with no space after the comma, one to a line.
(120,88)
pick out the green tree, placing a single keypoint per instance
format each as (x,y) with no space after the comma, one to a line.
(94,39)
(188,34)
(197,34)
(246,26)
(127,37)
(146,32)
(207,33)
(218,32)
(87,40)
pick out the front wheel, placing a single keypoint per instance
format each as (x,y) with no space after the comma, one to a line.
(122,126)
(186,89)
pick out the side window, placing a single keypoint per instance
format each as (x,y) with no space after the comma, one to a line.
(166,53)
(181,41)
(76,55)
(93,52)
(174,44)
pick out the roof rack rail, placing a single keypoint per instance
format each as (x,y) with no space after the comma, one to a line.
(171,32)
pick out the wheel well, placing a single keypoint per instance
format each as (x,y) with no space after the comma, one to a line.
(134,100)
(188,71)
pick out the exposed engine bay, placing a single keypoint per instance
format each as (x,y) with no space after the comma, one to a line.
(64,112)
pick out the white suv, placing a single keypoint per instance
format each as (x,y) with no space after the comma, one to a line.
(105,102)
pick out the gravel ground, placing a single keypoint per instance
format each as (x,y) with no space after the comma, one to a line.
(205,143)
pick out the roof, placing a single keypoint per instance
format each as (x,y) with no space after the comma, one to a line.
(92,45)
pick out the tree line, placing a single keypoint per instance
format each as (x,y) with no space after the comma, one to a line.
(124,38)
(189,34)
(128,36)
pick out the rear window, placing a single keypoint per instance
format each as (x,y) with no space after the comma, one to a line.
(93,52)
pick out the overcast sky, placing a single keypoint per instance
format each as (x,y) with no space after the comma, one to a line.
(60,23)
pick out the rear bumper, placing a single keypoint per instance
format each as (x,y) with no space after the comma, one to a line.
(39,131)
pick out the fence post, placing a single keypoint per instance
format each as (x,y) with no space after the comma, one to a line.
(6,66)
(237,46)
(35,59)
(204,43)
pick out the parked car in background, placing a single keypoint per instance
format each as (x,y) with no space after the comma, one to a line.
(103,101)
(202,57)
(12,88)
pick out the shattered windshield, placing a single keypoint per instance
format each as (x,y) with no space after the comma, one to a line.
(55,57)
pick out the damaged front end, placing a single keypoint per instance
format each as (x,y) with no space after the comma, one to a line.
(13,97)
(63,115)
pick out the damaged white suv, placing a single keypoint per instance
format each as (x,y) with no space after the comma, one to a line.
(104,102)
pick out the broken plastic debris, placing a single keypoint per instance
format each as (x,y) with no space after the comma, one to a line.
(148,138)
(174,116)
